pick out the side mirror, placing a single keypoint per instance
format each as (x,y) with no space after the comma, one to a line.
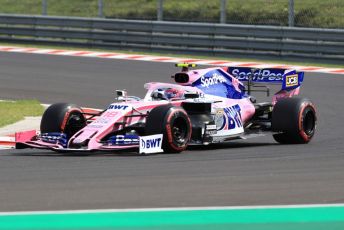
(121,93)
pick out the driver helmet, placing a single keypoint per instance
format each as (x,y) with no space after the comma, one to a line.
(172,93)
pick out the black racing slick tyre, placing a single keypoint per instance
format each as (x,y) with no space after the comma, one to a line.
(173,123)
(63,117)
(294,120)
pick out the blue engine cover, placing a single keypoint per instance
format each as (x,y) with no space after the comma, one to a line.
(218,83)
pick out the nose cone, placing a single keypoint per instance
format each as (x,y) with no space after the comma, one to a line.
(82,138)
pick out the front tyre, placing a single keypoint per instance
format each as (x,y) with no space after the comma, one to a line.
(173,123)
(63,118)
(295,120)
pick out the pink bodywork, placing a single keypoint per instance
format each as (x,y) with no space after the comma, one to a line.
(106,123)
(113,119)
(285,94)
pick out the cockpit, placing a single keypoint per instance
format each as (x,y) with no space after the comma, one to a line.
(165,91)
(167,94)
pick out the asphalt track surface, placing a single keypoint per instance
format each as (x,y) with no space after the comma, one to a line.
(251,172)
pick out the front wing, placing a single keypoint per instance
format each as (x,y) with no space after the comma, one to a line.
(60,148)
(58,142)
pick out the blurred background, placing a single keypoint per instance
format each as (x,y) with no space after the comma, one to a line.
(298,13)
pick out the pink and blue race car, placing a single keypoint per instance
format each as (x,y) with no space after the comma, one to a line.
(205,106)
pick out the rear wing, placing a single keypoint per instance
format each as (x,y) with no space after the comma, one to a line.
(289,79)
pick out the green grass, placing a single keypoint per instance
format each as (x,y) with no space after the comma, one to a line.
(309,13)
(13,111)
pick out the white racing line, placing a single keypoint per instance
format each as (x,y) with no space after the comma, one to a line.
(294,206)
(153,58)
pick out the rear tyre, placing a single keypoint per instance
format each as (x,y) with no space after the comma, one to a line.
(173,123)
(295,120)
(63,117)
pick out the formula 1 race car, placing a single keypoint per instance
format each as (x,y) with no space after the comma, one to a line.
(206,106)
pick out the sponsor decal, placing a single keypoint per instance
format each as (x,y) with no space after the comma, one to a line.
(220,121)
(150,144)
(262,75)
(65,119)
(169,134)
(219,118)
(219,111)
(109,114)
(292,80)
(209,127)
(118,107)
(100,121)
(218,83)
(54,138)
(213,80)
(211,132)
(233,114)
(123,140)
